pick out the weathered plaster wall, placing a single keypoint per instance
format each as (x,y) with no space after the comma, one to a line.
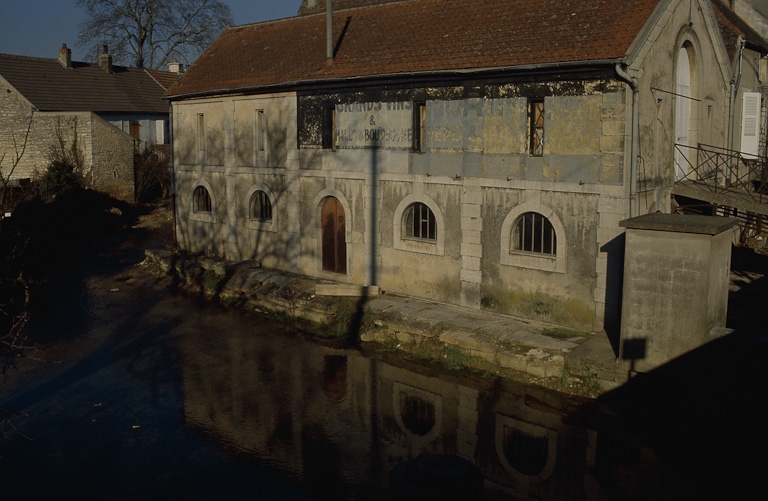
(535,287)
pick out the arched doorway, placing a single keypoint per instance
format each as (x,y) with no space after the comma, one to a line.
(334,232)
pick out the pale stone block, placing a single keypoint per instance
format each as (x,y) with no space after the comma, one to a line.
(471,210)
(473,250)
(472,196)
(470,263)
(471,276)
(472,223)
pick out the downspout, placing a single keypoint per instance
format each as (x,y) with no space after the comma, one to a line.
(635,145)
(173,176)
(735,84)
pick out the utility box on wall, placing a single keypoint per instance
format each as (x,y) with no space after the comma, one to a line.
(676,275)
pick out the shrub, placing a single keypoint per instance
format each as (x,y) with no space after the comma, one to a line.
(65,165)
(153,179)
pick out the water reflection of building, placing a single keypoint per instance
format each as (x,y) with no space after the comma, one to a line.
(340,422)
(305,411)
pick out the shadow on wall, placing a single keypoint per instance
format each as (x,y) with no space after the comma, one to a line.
(614,250)
(356,323)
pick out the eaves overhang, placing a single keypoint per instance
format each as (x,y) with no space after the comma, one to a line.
(595,68)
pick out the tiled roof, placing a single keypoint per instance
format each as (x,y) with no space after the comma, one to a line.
(320,6)
(732,27)
(417,36)
(166,79)
(84,87)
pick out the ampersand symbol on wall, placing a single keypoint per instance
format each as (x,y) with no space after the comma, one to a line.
(373,122)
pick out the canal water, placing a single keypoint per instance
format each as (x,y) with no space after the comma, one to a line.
(141,392)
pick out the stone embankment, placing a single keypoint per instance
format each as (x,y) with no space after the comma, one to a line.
(538,353)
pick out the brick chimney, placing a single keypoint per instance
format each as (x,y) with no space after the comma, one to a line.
(65,56)
(105,60)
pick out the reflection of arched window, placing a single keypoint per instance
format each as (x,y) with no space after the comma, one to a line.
(260,206)
(201,200)
(419,222)
(533,232)
(418,415)
(525,452)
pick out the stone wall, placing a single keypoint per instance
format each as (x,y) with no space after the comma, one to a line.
(112,162)
(107,151)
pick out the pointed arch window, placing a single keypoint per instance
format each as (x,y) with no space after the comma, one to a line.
(201,201)
(260,207)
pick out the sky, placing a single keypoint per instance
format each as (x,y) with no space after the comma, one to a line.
(38,27)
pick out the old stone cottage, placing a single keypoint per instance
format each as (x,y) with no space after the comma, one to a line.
(112,110)
(473,153)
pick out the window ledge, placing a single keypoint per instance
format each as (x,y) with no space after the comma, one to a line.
(261,225)
(534,261)
(419,245)
(205,217)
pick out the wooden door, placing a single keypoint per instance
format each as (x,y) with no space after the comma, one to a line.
(334,236)
(133,127)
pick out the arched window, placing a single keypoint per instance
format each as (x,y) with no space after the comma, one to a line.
(533,232)
(201,200)
(260,208)
(419,222)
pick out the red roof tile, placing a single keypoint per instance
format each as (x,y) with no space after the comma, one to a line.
(417,36)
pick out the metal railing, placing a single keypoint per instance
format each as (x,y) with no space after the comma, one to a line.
(723,170)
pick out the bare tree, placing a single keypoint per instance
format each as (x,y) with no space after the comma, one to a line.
(150,33)
(18,152)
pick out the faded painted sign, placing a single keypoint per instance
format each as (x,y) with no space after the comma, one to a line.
(380,125)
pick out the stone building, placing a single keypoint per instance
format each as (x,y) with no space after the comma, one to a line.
(733,180)
(112,110)
(473,153)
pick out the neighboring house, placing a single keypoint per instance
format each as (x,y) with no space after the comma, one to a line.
(113,110)
(473,153)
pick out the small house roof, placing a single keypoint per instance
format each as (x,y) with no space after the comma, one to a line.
(49,86)
(416,36)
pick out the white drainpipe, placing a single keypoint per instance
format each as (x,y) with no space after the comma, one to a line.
(633,84)
(735,84)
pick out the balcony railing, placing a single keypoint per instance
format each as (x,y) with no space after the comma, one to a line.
(723,171)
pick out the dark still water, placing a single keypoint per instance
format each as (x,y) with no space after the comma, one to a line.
(155,395)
